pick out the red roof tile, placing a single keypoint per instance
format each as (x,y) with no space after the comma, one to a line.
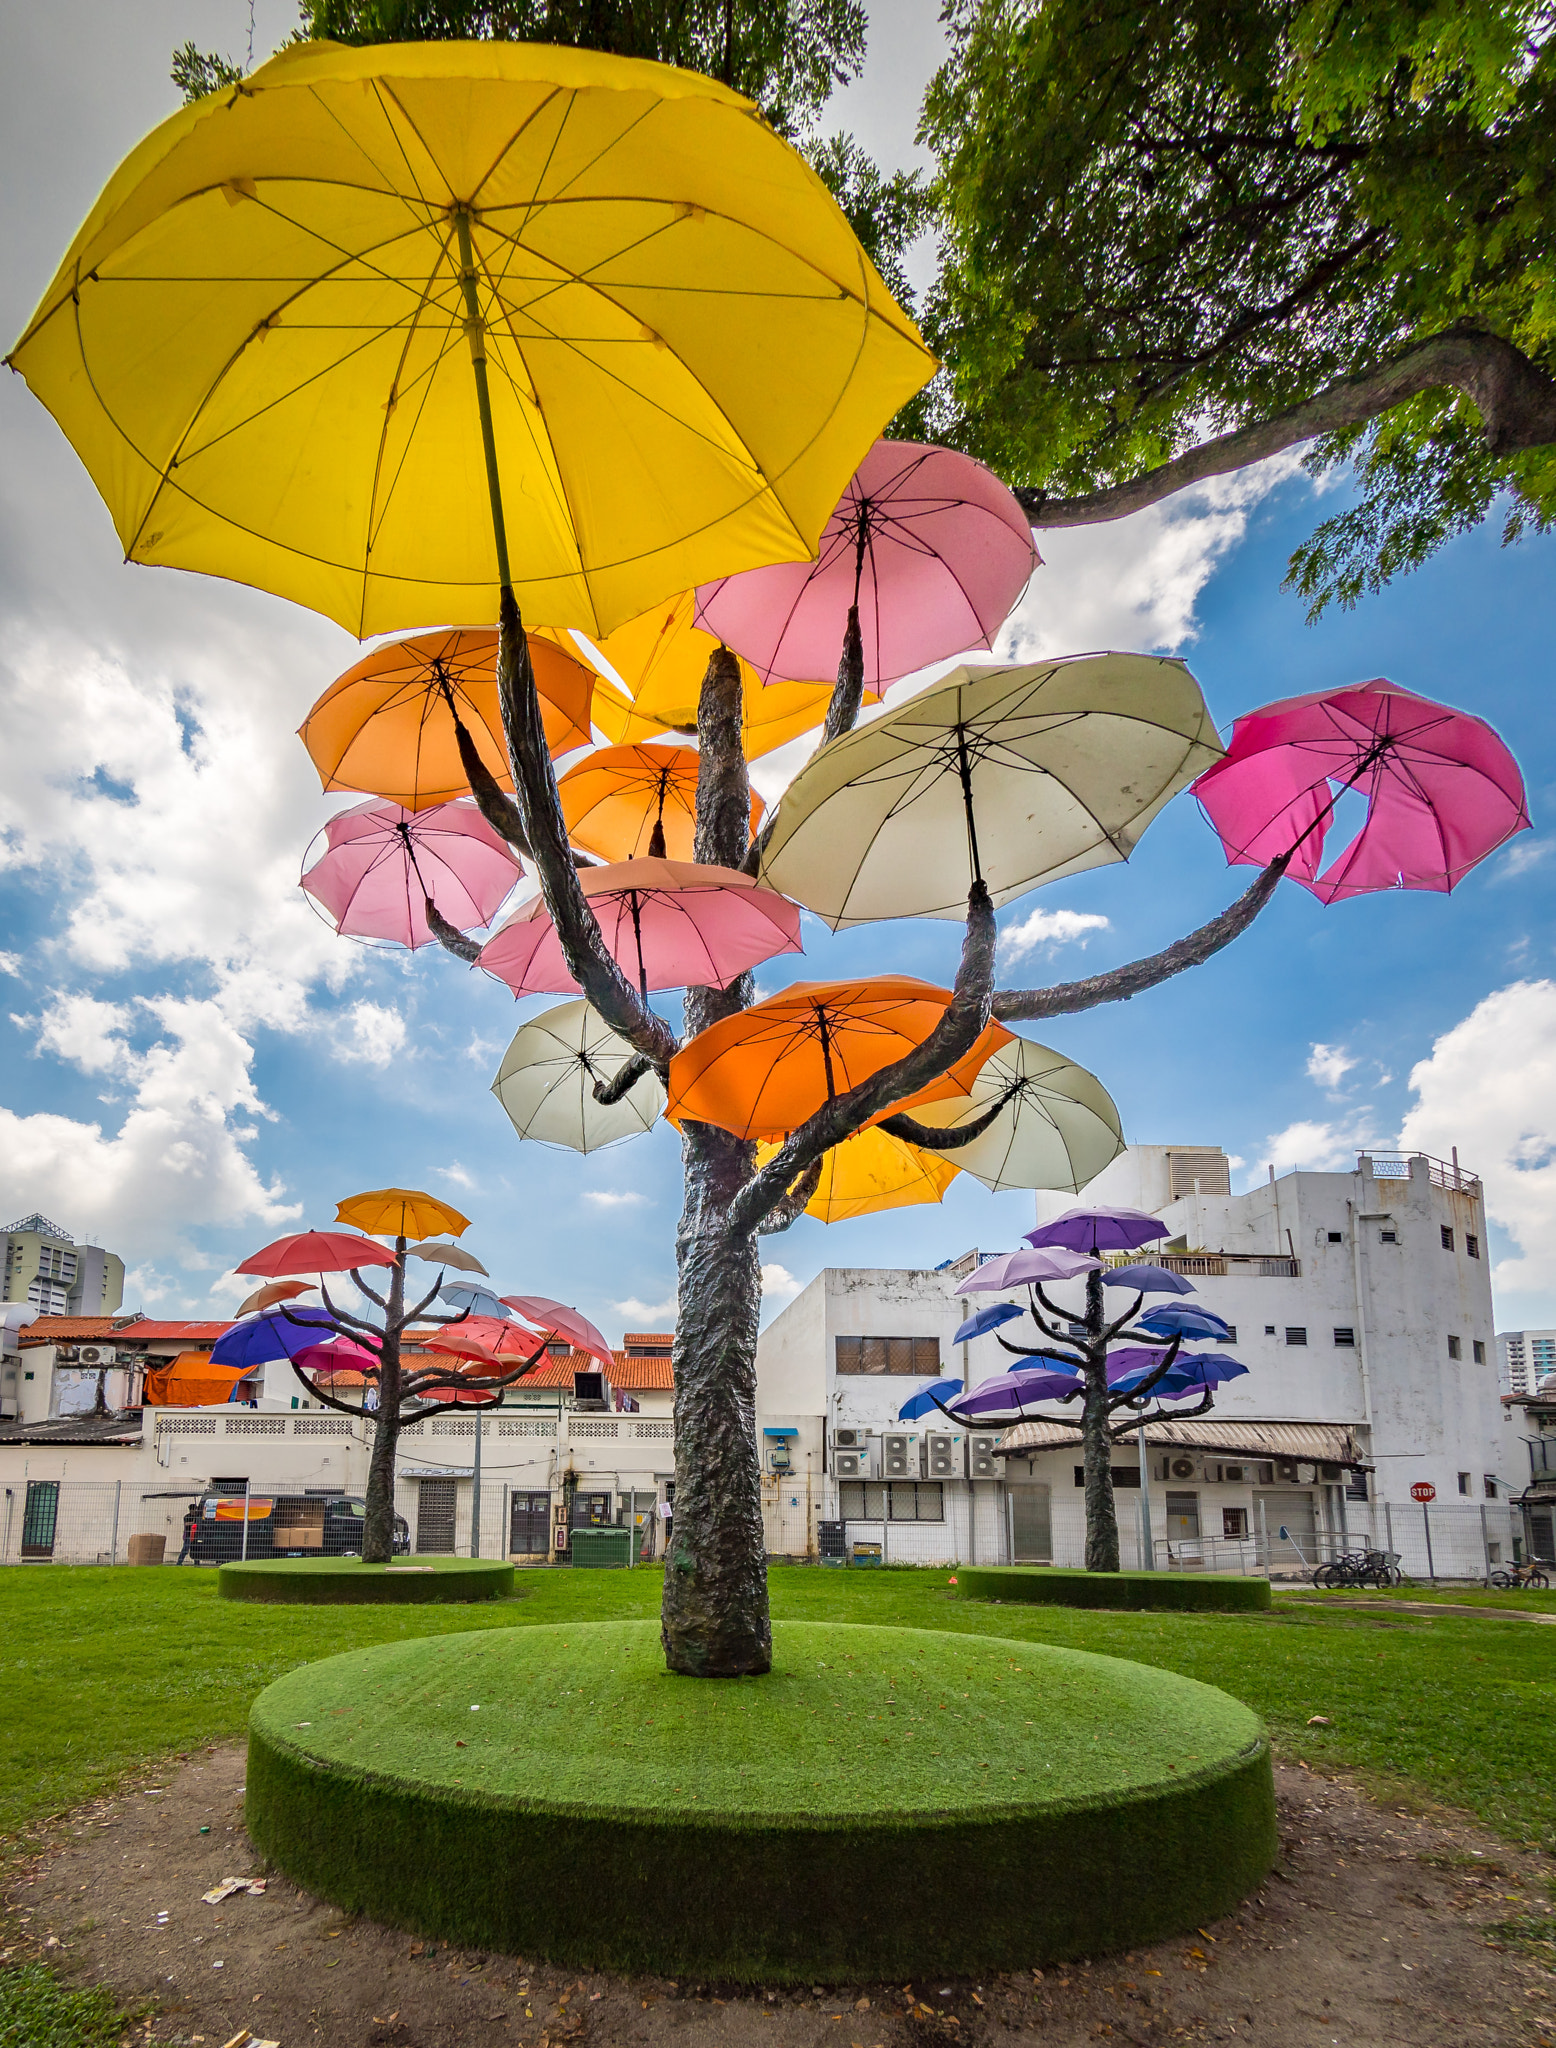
(648,1337)
(65,1329)
(171,1333)
(84,1329)
(631,1375)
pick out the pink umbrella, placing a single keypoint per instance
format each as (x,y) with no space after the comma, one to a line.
(1027,1268)
(1442,790)
(558,1320)
(381,863)
(339,1356)
(929,544)
(667,923)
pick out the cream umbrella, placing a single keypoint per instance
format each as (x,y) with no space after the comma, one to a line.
(1017,775)
(1057,1127)
(548,1074)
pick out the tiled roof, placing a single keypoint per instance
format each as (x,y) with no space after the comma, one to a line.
(172,1333)
(65,1329)
(631,1375)
(648,1337)
(92,1329)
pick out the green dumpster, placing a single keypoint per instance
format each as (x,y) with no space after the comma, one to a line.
(599,1547)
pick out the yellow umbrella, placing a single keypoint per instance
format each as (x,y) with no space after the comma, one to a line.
(873,1170)
(400,1212)
(313,314)
(662,658)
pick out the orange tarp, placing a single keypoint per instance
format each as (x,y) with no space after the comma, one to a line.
(191,1381)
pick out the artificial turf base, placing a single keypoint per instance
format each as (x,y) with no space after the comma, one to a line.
(347,1581)
(1061,1588)
(886,1801)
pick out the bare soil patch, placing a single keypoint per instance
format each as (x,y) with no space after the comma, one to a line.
(1375,1933)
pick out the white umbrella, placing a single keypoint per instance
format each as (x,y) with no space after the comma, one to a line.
(548,1074)
(1022,775)
(1058,1128)
(452,1255)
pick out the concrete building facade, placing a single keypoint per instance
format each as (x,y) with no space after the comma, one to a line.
(1526,1358)
(46,1268)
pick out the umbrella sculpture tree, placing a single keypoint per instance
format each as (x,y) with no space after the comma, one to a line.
(307,312)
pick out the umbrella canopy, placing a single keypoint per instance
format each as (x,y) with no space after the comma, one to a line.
(1442,790)
(317,1251)
(268,339)
(387,724)
(451,1255)
(1183,1319)
(338,1356)
(930,545)
(661,659)
(1058,1128)
(493,1337)
(1010,1393)
(381,863)
(761,1073)
(400,1212)
(1146,1279)
(666,923)
(623,802)
(870,1171)
(547,1078)
(1188,1373)
(266,1337)
(559,1320)
(1027,1269)
(1098,1230)
(481,1302)
(274,1291)
(928,1400)
(986,1319)
(1020,775)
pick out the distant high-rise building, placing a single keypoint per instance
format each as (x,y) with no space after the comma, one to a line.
(47,1268)
(1528,1356)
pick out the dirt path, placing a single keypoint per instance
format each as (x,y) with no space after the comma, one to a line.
(1372,1938)
(1433,1609)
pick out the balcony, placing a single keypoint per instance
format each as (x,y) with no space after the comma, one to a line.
(1217,1265)
(1443,1173)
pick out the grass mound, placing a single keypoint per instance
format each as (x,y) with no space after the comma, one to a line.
(1056,1588)
(886,1800)
(343,1581)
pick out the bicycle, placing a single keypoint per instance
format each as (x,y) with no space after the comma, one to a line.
(1356,1569)
(1520,1578)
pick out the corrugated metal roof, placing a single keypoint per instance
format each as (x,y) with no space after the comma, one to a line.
(1316,1443)
(89,1329)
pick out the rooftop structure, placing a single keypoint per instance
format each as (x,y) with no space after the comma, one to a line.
(45,1267)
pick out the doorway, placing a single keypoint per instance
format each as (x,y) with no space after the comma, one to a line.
(1296,1513)
(529,1525)
(40,1517)
(1031,1525)
(435,1505)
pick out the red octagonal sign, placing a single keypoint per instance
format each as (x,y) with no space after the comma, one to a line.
(1423,1490)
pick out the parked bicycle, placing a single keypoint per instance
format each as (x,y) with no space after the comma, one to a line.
(1520,1578)
(1360,1569)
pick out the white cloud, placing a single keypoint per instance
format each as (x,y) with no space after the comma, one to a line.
(614,1198)
(778,1283)
(1049,929)
(369,1033)
(10,963)
(85,1032)
(1488,1087)
(456,1175)
(1521,856)
(648,1313)
(1311,1147)
(1328,1065)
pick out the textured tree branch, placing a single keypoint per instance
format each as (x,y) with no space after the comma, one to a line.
(450,937)
(625,1079)
(792,1207)
(496,806)
(1120,983)
(950,1139)
(540,813)
(843,708)
(1515,398)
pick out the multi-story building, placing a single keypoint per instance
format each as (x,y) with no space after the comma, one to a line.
(1360,1303)
(45,1267)
(1526,1358)
(1534,1414)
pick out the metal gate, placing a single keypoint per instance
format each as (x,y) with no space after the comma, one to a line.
(1296,1513)
(40,1514)
(1031,1530)
(435,1516)
(529,1525)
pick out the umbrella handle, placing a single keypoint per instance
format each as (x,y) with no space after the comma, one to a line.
(475,334)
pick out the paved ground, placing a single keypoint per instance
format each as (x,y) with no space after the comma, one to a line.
(1378,1932)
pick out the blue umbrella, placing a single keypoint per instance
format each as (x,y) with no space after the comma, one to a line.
(1188,1374)
(261,1338)
(987,1319)
(927,1400)
(480,1301)
(1183,1319)
(1148,1280)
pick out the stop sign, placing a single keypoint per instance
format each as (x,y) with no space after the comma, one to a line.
(1423,1490)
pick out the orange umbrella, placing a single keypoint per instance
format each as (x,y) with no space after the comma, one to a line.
(662,658)
(400,1212)
(271,1293)
(762,1073)
(618,801)
(385,726)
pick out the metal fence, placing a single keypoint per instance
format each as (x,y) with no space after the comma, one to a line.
(1444,1540)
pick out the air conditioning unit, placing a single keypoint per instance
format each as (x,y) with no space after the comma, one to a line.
(1286,1471)
(850,1439)
(1234,1475)
(852,1464)
(899,1456)
(1181,1468)
(981,1461)
(96,1354)
(941,1458)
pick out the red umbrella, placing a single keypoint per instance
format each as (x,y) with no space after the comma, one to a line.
(382,862)
(559,1320)
(1442,789)
(317,1251)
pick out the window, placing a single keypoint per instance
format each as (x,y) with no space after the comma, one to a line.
(1234,1521)
(1445,1232)
(1388,1237)
(1123,1475)
(1336,1237)
(1472,1244)
(1346,1339)
(1356,1486)
(1478,1351)
(1231,1335)
(1295,1334)
(906,1355)
(1489,1485)
(1464,1482)
(1455,1348)
(1269,1329)
(914,1500)
(1182,1516)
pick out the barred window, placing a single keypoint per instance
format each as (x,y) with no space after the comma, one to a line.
(1445,1232)
(896,1500)
(909,1356)
(1344,1337)
(1296,1333)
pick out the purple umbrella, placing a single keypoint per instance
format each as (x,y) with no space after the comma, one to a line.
(1008,1393)
(1098,1230)
(1148,1280)
(1190,1373)
(1026,1268)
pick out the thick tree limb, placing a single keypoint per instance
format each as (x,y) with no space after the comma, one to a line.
(1120,983)
(843,708)
(623,1081)
(540,812)
(950,1139)
(449,936)
(793,1205)
(1515,398)
(965,1016)
(496,806)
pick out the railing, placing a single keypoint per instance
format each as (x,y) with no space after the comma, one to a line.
(1445,1173)
(256,1425)
(323,1425)
(1217,1265)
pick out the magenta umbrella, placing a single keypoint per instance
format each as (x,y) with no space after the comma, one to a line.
(557,1319)
(929,544)
(381,863)
(1442,790)
(666,923)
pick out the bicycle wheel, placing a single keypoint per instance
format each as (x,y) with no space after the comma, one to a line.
(1328,1576)
(1502,1581)
(1538,1582)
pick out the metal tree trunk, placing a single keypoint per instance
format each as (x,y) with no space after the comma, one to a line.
(1097,1441)
(378,1525)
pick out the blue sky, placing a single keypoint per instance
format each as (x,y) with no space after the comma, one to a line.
(189,1060)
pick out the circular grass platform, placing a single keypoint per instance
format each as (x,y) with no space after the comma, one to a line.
(347,1581)
(1180,1591)
(885,1802)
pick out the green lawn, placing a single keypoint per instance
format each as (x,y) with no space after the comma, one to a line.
(105,1669)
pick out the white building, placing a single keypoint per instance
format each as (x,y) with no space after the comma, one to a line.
(1361,1304)
(1526,1357)
(45,1267)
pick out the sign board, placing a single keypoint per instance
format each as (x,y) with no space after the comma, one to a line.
(1423,1491)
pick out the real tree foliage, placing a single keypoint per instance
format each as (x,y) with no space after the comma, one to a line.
(1170,221)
